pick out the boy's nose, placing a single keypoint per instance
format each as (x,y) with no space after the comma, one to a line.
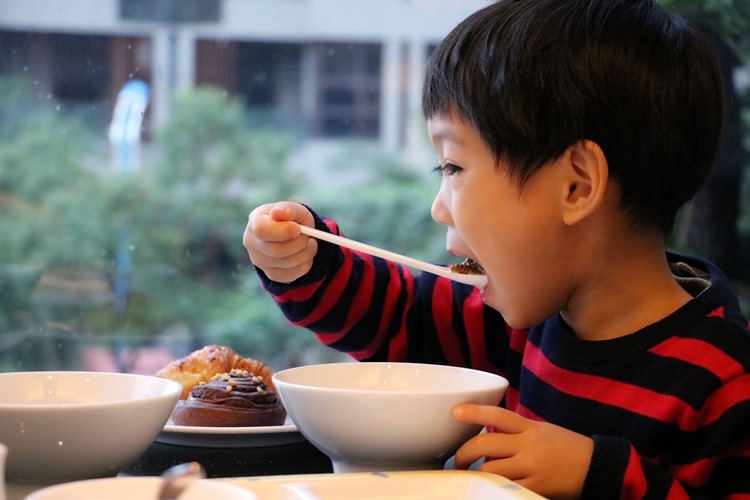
(439,211)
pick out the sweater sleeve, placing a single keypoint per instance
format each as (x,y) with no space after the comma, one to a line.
(374,309)
(617,471)
(711,461)
(607,469)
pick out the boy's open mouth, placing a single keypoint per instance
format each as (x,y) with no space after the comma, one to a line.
(468,266)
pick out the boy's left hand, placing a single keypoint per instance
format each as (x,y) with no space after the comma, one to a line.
(545,458)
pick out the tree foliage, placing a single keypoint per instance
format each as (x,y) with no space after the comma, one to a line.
(177,221)
(729,17)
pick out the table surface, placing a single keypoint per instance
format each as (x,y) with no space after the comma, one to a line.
(294,458)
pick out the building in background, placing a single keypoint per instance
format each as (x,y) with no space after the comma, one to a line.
(325,69)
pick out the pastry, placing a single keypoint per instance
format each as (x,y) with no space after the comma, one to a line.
(223,389)
(202,365)
(234,399)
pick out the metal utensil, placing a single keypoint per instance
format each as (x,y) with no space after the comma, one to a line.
(477,280)
(177,478)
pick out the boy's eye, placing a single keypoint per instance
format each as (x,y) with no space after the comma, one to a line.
(447,169)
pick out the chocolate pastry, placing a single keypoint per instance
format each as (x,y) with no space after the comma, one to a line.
(234,399)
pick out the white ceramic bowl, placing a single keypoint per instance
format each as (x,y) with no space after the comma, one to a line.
(385,416)
(130,488)
(66,426)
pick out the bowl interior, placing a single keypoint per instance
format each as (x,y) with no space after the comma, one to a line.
(389,377)
(45,389)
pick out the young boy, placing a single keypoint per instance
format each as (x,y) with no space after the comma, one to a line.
(569,133)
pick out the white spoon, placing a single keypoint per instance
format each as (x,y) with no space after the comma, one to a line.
(477,280)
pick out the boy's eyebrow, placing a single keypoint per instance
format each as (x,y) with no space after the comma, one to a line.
(445,135)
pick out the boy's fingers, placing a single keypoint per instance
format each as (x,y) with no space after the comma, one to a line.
(290,211)
(500,419)
(281,211)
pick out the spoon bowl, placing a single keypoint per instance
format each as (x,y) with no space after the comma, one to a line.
(176,479)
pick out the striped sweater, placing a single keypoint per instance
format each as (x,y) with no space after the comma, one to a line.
(668,407)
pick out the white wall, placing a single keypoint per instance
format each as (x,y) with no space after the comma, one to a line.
(261,19)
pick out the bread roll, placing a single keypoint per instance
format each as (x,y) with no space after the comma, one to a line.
(202,365)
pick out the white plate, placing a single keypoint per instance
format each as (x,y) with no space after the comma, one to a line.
(230,437)
(423,485)
(418,485)
(127,488)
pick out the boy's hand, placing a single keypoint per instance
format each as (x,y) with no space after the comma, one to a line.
(276,245)
(545,458)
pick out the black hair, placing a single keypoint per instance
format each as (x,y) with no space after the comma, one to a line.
(536,76)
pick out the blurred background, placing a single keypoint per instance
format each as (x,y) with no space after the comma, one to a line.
(136,136)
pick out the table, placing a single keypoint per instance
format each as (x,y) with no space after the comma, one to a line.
(294,458)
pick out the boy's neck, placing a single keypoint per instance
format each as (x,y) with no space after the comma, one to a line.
(631,288)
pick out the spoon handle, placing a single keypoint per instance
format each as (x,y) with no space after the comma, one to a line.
(478,280)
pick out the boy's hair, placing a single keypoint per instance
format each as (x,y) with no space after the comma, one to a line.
(536,76)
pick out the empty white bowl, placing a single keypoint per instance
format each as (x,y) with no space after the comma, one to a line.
(129,488)
(380,416)
(66,426)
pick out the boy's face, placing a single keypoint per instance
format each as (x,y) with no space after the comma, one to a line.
(511,232)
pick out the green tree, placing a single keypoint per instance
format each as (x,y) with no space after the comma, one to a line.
(731,18)
(67,212)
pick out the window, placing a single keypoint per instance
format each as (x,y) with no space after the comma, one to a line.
(349,81)
(246,101)
(114,268)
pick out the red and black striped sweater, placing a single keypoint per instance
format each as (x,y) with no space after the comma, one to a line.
(668,407)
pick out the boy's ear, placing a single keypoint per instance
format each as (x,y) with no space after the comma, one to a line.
(586,179)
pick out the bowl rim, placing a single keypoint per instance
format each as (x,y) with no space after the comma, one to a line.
(172,389)
(502,383)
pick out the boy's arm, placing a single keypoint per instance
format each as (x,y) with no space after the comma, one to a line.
(709,458)
(374,309)
(618,471)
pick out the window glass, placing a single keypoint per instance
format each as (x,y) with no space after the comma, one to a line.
(136,136)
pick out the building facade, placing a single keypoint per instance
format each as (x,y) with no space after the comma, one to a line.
(325,68)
